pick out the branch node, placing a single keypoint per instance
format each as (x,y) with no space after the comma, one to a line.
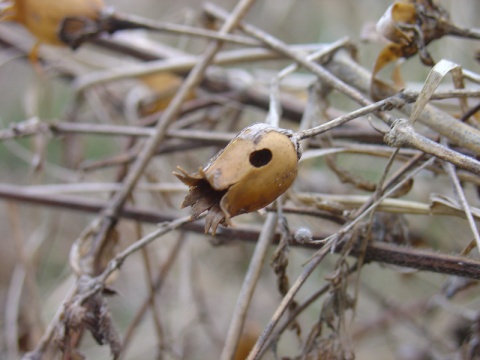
(399,133)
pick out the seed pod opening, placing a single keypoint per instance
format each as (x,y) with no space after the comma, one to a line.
(254,169)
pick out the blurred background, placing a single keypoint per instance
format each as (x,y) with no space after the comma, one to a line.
(201,285)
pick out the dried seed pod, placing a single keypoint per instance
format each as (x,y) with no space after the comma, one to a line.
(44,17)
(254,169)
(389,24)
(163,86)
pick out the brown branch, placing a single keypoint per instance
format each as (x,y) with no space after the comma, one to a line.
(287,299)
(324,75)
(443,123)
(112,21)
(403,134)
(375,252)
(157,286)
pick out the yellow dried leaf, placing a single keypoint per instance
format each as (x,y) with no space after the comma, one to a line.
(43,17)
(410,26)
(397,14)
(389,54)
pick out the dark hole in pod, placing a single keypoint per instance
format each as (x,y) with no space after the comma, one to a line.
(260,158)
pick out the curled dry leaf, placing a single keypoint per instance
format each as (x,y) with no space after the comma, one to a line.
(444,205)
(389,24)
(409,25)
(43,18)
(254,169)
(94,315)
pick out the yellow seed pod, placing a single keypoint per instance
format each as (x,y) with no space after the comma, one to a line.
(164,86)
(44,17)
(254,169)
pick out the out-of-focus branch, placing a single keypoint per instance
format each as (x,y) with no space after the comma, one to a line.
(376,252)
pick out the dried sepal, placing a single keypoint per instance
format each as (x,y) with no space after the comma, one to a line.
(254,169)
(93,315)
(202,197)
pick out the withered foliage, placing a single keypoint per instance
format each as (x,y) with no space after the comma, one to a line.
(409,26)
(328,337)
(44,18)
(326,189)
(93,315)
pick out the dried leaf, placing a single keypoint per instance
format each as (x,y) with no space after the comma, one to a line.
(435,76)
(446,206)
(93,315)
(43,18)
(410,26)
(390,23)
(403,190)
(99,321)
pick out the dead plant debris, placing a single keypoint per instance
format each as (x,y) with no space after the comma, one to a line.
(366,188)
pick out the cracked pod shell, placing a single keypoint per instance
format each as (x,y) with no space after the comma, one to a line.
(255,168)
